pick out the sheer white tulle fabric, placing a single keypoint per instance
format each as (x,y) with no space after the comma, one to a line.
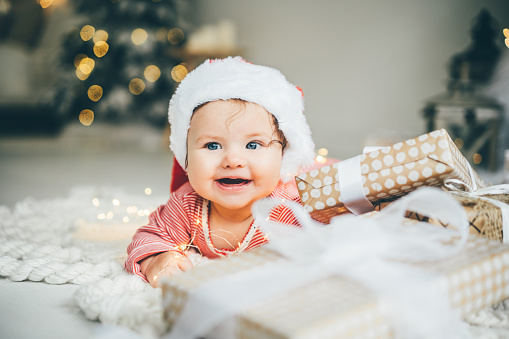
(38,243)
(375,251)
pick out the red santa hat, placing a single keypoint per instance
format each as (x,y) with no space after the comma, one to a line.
(234,78)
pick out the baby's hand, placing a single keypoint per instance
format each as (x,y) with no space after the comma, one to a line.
(164,264)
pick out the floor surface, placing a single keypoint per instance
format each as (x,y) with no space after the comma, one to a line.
(130,157)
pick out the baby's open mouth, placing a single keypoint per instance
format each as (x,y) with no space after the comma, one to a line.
(233,181)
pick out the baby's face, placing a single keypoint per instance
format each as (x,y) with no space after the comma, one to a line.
(233,159)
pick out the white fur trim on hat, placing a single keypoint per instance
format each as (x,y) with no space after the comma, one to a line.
(234,78)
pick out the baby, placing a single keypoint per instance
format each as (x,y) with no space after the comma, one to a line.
(239,131)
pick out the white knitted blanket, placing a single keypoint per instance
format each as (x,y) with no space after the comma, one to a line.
(82,240)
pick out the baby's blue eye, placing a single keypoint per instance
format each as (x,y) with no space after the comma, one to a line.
(213,146)
(253,145)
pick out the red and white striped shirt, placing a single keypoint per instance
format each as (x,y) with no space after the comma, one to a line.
(179,222)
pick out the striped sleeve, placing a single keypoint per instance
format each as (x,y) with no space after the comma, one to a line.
(285,215)
(168,226)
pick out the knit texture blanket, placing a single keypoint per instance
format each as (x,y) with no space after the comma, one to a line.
(82,239)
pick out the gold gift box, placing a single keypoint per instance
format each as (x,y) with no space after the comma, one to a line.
(389,173)
(484,217)
(335,307)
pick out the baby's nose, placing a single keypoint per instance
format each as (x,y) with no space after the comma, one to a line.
(233,159)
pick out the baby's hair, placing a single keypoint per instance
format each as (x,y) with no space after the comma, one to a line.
(281,139)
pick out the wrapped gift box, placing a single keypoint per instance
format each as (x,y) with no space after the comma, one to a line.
(336,307)
(389,173)
(485,218)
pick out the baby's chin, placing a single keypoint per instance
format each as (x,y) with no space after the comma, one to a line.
(235,205)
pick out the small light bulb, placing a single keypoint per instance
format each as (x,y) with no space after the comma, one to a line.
(320,159)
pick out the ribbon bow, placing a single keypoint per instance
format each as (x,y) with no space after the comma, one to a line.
(461,188)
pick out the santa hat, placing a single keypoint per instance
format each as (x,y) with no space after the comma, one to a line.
(234,78)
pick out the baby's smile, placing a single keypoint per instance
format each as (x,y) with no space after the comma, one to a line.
(233,182)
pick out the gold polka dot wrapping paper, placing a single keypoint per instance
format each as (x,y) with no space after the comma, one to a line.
(337,307)
(389,173)
(485,218)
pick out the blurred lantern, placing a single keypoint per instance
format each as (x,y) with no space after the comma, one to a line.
(472,119)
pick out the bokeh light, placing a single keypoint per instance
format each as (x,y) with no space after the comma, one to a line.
(152,73)
(45,3)
(139,36)
(506,34)
(86,117)
(323,152)
(178,73)
(477,158)
(459,142)
(161,34)
(148,191)
(78,59)
(175,36)
(320,159)
(86,66)
(82,76)
(87,32)
(95,92)
(101,48)
(100,35)
(136,86)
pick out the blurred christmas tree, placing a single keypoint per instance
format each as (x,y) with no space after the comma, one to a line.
(118,65)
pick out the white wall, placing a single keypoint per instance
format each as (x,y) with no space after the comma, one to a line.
(366,66)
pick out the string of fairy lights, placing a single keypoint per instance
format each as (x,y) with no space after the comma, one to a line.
(111,208)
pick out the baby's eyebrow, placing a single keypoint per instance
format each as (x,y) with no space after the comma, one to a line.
(207,137)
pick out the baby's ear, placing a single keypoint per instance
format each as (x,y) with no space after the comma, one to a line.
(178,176)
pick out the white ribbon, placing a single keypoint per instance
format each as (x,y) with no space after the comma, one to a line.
(350,186)
(364,249)
(480,193)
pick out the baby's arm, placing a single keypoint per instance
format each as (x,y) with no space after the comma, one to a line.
(168,227)
(164,264)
